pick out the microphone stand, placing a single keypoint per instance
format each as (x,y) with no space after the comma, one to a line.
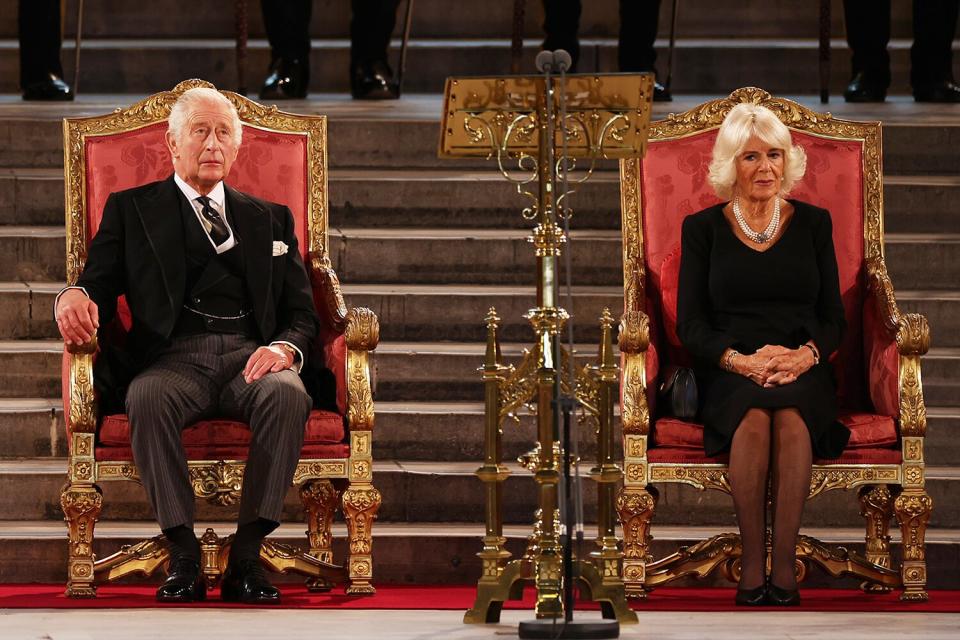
(571,499)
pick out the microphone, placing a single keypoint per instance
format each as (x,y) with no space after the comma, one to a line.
(553,61)
(545,61)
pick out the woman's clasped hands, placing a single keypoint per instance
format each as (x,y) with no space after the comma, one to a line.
(775,365)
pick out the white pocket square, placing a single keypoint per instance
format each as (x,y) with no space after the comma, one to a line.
(279,248)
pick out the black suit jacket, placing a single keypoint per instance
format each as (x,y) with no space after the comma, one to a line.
(139,251)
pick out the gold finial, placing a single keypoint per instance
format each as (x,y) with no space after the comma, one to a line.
(492,319)
(606,320)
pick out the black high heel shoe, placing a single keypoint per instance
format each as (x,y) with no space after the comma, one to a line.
(752,597)
(778,597)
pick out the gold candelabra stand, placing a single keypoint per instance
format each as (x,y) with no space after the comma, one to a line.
(545,128)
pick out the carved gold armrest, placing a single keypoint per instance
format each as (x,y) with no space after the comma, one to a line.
(83,403)
(324,280)
(912,335)
(634,341)
(910,330)
(362,336)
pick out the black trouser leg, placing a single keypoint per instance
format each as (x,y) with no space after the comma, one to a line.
(561,23)
(868,33)
(40,38)
(288,28)
(638,32)
(934,26)
(371,25)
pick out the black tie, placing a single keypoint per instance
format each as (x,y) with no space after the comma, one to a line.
(218,230)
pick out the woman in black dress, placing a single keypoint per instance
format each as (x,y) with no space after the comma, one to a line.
(759,309)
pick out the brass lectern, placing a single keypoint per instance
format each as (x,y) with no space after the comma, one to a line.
(545,128)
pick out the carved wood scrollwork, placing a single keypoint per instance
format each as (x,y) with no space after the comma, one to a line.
(220,482)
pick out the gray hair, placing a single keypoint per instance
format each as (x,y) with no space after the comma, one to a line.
(192,98)
(742,123)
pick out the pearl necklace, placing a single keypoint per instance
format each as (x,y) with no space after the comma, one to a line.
(760,237)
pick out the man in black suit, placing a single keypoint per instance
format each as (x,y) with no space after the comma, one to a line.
(931,56)
(41,76)
(222,317)
(288,29)
(638,32)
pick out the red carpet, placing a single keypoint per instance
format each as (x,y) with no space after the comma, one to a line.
(460,597)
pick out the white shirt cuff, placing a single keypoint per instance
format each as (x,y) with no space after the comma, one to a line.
(56,300)
(297,366)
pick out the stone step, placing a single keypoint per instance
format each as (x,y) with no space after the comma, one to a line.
(941,376)
(478,256)
(712,65)
(421,553)
(453,312)
(432,18)
(919,139)
(406,430)
(428,491)
(444,198)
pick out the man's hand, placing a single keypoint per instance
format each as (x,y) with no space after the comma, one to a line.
(787,367)
(77,317)
(263,361)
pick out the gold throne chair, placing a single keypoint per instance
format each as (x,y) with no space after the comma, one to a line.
(283,159)
(877,366)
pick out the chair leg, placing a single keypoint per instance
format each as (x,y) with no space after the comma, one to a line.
(320,499)
(913,508)
(81,504)
(635,505)
(876,506)
(360,505)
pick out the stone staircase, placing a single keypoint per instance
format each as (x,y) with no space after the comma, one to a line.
(430,245)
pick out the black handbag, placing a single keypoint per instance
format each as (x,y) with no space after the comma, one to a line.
(678,393)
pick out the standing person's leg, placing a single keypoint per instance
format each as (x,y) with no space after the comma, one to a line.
(868,33)
(276,408)
(931,57)
(749,462)
(41,74)
(561,26)
(174,392)
(371,25)
(792,466)
(638,33)
(287,23)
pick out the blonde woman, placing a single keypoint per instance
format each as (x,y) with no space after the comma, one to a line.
(759,309)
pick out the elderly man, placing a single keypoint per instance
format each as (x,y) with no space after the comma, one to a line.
(222,318)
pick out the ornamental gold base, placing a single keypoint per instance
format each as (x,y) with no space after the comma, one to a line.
(509,585)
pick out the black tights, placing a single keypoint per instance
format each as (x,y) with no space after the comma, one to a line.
(765,439)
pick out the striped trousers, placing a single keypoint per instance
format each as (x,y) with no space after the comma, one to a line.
(199,377)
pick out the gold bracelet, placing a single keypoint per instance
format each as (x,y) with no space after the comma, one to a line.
(728,361)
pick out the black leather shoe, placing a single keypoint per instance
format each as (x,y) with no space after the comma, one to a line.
(660,93)
(778,597)
(184,582)
(246,582)
(941,92)
(288,80)
(50,88)
(751,597)
(862,89)
(373,81)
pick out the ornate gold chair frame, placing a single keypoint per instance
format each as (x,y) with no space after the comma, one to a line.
(884,489)
(324,484)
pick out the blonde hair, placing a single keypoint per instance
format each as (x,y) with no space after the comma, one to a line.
(189,100)
(742,123)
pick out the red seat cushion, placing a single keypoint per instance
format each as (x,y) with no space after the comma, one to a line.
(213,439)
(686,455)
(867,430)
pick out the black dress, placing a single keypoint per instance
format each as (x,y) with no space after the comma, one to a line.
(732,296)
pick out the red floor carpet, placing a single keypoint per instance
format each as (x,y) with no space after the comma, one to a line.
(460,597)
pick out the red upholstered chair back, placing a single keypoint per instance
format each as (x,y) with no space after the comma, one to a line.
(673,185)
